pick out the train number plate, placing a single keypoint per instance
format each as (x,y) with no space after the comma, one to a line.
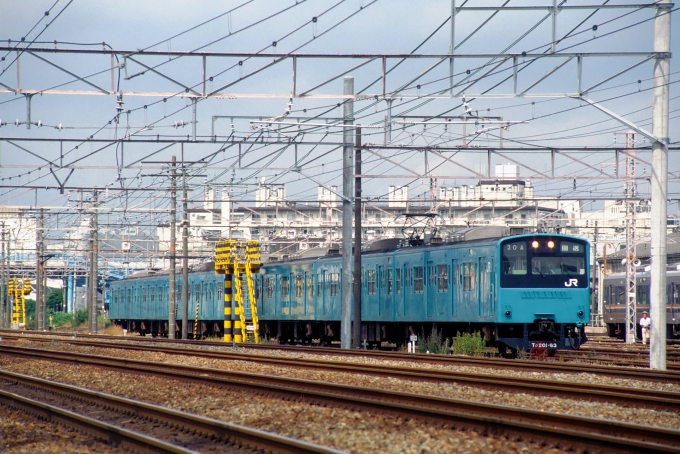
(543,345)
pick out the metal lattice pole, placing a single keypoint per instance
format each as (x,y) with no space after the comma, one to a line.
(631,193)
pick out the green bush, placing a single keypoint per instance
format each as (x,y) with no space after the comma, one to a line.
(469,344)
(434,343)
(81,316)
(62,319)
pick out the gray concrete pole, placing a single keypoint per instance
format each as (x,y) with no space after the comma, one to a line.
(659,183)
(357,241)
(185,258)
(347,173)
(172,322)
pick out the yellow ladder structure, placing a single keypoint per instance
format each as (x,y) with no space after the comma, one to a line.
(17,288)
(236,259)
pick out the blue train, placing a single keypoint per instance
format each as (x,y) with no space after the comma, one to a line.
(522,292)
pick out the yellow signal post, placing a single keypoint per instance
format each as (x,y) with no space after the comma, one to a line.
(236,259)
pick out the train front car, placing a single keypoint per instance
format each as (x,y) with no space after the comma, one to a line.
(544,292)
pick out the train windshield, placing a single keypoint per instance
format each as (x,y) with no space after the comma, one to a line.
(544,262)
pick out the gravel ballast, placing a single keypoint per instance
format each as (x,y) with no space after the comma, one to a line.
(340,428)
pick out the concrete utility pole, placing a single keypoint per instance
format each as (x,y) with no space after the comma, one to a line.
(357,241)
(94,257)
(348,119)
(39,308)
(185,255)
(172,322)
(631,194)
(659,184)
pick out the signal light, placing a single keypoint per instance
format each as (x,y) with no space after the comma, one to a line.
(551,244)
(534,244)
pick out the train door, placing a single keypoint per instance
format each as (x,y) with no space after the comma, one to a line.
(454,288)
(380,290)
(430,291)
(322,293)
(483,289)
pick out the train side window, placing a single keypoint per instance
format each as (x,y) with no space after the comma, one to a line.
(152,295)
(318,284)
(432,275)
(389,281)
(298,286)
(310,283)
(408,277)
(284,287)
(269,287)
(370,282)
(398,280)
(144,295)
(197,292)
(469,276)
(335,279)
(443,278)
(129,295)
(418,279)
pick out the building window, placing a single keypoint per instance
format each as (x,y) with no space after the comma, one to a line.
(418,279)
(469,276)
(443,278)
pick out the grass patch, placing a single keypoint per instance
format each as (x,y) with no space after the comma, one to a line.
(469,344)
(434,343)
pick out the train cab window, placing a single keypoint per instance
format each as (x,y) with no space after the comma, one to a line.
(298,285)
(389,281)
(515,258)
(370,282)
(335,280)
(469,276)
(418,279)
(443,278)
(398,280)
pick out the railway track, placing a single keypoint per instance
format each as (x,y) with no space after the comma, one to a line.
(645,398)
(551,429)
(137,425)
(640,372)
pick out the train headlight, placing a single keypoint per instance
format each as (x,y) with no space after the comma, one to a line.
(551,244)
(580,313)
(508,314)
(534,244)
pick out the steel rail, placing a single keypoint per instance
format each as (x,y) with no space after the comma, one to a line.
(208,427)
(567,430)
(513,364)
(643,398)
(109,433)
